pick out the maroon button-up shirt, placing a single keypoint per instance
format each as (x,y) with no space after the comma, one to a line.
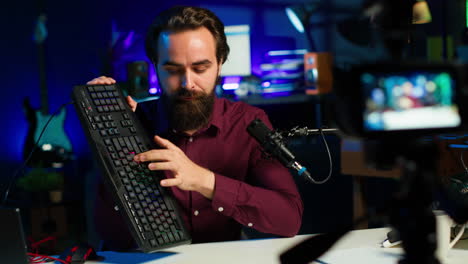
(250,190)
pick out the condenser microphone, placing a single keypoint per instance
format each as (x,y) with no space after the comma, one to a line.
(273,144)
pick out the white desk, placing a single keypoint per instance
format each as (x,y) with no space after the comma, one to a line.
(360,246)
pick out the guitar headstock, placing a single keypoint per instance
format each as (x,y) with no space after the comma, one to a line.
(40,31)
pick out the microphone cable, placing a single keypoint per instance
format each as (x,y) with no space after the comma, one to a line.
(330,169)
(296,131)
(23,165)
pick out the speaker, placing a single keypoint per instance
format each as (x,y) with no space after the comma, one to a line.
(318,72)
(138,79)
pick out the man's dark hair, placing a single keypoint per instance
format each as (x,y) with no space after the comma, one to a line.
(182,18)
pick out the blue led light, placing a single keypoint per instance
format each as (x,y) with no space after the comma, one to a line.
(230,86)
(295,20)
(458,146)
(286,52)
(301,171)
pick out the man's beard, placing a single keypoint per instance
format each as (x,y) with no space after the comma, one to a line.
(190,114)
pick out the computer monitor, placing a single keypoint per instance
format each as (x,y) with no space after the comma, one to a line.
(239,60)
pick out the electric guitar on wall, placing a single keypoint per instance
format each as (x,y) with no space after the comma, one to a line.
(54,147)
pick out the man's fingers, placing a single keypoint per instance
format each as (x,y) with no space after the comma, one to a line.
(154,155)
(164,143)
(171,182)
(160,166)
(132,103)
(102,80)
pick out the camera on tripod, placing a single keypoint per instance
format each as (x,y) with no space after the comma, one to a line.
(402,100)
(392,104)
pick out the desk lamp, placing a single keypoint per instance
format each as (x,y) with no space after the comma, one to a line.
(421,12)
(299,15)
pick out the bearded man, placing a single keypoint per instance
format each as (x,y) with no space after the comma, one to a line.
(214,168)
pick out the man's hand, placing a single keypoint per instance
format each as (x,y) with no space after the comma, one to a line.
(132,103)
(108,80)
(186,174)
(102,80)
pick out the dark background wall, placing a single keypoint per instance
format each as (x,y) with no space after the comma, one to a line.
(79,33)
(77,44)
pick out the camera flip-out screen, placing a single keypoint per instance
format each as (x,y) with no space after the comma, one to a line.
(410,99)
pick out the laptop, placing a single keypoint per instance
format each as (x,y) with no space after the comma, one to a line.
(13,247)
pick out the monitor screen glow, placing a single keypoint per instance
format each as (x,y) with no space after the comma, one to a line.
(409,100)
(239,59)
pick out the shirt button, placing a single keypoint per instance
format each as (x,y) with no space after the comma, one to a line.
(220,209)
(190,139)
(249,224)
(196,212)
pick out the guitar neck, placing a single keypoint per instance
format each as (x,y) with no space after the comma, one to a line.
(43,79)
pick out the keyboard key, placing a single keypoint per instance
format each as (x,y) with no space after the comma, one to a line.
(171,237)
(176,236)
(165,237)
(109,88)
(98,88)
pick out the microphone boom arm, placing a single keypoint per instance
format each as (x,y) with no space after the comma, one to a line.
(305,131)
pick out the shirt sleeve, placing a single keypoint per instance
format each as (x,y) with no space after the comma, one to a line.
(269,202)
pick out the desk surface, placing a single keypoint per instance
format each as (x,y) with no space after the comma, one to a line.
(360,246)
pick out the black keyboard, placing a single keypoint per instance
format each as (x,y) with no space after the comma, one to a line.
(115,136)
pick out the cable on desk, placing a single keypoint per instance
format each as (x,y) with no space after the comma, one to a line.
(38,258)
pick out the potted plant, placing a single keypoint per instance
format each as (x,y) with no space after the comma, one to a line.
(43,180)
